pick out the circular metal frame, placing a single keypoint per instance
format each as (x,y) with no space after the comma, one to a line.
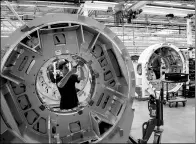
(110,100)
(145,58)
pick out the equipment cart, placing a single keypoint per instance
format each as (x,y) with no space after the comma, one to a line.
(175,98)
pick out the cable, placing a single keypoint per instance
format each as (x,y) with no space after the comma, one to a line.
(123,31)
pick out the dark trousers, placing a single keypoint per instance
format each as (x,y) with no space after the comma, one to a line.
(157,73)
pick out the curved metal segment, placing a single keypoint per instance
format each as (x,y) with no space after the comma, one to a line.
(105,96)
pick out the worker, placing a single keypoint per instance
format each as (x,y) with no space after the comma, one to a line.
(65,80)
(156,64)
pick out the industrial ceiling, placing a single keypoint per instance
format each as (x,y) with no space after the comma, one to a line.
(159,21)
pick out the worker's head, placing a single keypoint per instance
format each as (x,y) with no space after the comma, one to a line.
(64,66)
(50,68)
(158,51)
(60,66)
(161,51)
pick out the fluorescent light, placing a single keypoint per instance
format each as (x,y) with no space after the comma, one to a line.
(161,13)
(102,2)
(95,7)
(4,36)
(98,5)
(59,6)
(167,3)
(166,32)
(170,8)
(18,4)
(41,5)
(173,4)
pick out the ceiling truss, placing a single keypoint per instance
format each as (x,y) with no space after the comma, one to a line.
(152,19)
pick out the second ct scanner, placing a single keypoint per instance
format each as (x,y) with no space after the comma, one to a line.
(154,62)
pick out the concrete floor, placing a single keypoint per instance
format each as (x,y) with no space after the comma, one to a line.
(179,123)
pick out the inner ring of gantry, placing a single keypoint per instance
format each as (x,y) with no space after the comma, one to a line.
(52,71)
(163,60)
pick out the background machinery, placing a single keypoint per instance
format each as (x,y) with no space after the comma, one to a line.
(154,62)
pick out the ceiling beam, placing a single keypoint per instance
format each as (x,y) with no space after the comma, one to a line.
(138,21)
(15,13)
(156,10)
(4,25)
(11,23)
(42,4)
(172,5)
(80,9)
(143,26)
(137,5)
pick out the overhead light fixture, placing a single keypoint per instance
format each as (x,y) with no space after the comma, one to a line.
(156,12)
(165,11)
(97,5)
(170,15)
(172,4)
(61,6)
(166,32)
(4,36)
(102,2)
(189,15)
(41,5)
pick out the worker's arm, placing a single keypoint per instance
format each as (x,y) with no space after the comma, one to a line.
(66,77)
(81,77)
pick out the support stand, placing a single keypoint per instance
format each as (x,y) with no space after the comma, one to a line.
(155,107)
(157,135)
(175,99)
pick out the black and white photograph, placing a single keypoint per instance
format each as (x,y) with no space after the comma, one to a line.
(97,71)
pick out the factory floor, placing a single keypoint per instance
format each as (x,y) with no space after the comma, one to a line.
(179,123)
